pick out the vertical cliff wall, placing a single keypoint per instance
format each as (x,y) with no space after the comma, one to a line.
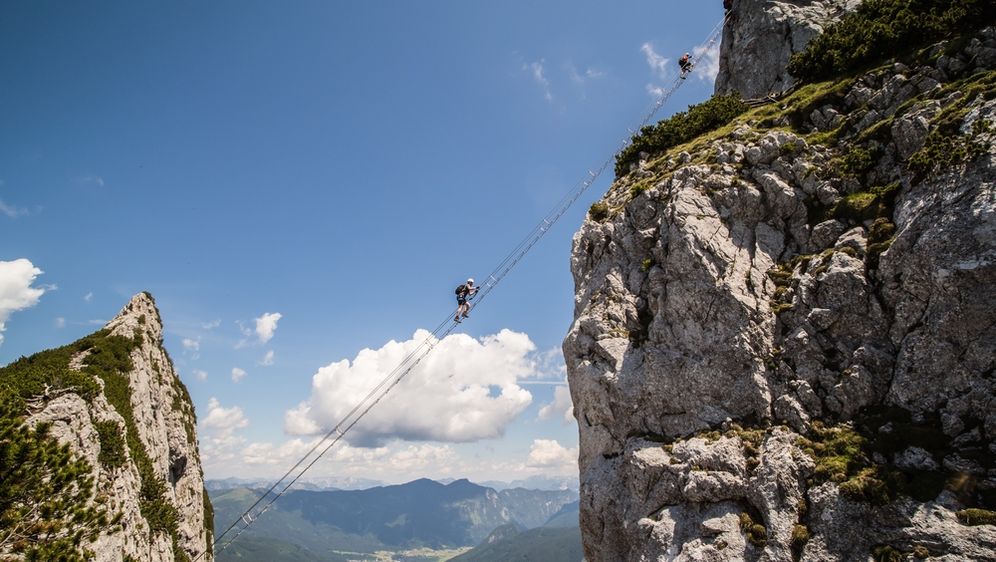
(761,35)
(116,401)
(784,338)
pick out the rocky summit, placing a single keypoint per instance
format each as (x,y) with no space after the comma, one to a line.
(783,344)
(134,489)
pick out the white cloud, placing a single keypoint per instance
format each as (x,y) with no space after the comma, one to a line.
(224,420)
(659,65)
(465,390)
(535,69)
(219,440)
(88,297)
(12,211)
(267,359)
(706,59)
(562,407)
(211,325)
(16,292)
(266,325)
(549,454)
(237,374)
(92,180)
(60,322)
(201,375)
(192,347)
(582,77)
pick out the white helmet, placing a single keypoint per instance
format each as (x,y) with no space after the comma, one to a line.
(470,280)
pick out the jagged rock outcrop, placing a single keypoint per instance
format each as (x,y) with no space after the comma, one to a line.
(155,482)
(784,344)
(761,35)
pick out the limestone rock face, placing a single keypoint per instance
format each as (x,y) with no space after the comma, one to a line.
(796,274)
(761,35)
(164,418)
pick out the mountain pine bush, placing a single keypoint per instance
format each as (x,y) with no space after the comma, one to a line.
(882,29)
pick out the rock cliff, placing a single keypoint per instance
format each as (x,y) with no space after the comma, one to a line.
(116,401)
(762,35)
(784,344)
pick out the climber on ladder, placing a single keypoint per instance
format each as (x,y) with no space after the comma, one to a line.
(464,292)
(685,62)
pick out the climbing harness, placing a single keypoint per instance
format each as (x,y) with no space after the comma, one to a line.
(414,357)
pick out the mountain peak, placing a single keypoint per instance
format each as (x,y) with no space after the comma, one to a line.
(140,314)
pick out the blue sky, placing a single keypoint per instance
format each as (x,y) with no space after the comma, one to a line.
(297,182)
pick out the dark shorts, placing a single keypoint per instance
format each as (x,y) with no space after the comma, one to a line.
(461,300)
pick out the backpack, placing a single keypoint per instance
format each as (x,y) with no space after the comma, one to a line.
(461,289)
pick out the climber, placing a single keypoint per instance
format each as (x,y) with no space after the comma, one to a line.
(685,62)
(464,292)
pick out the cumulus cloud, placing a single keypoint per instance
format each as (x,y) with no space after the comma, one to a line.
(267,359)
(192,347)
(224,420)
(465,390)
(220,441)
(88,297)
(60,322)
(535,69)
(266,325)
(561,407)
(548,453)
(237,374)
(211,325)
(16,292)
(201,375)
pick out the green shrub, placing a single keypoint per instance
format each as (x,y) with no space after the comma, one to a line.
(976,516)
(45,510)
(599,211)
(882,29)
(112,444)
(680,128)
(886,553)
(47,371)
(756,534)
(945,148)
(800,536)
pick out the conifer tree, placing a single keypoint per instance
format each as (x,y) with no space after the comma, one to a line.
(46,512)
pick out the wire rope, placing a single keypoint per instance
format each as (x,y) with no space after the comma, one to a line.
(443,329)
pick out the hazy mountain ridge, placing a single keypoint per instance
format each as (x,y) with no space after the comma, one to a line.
(421,513)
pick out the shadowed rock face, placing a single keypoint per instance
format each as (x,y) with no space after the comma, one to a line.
(163,416)
(741,292)
(761,35)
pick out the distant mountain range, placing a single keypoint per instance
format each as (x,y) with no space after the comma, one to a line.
(559,540)
(337,525)
(350,483)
